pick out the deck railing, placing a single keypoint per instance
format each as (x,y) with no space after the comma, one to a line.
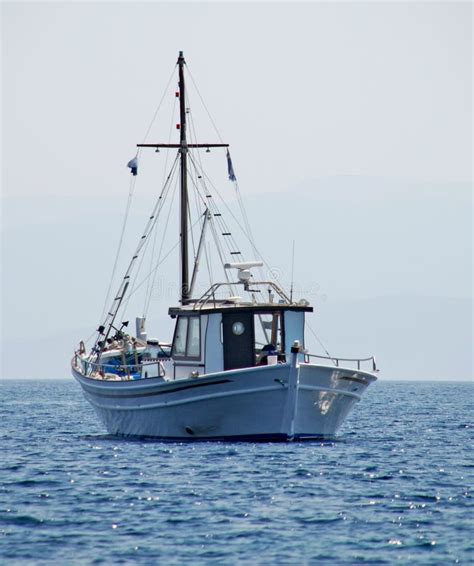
(210,296)
(122,372)
(140,371)
(336,361)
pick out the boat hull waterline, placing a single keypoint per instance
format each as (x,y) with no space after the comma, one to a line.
(237,367)
(273,403)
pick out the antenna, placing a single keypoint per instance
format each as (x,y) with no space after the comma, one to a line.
(292,271)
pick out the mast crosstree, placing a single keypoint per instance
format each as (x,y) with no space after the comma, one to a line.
(183,148)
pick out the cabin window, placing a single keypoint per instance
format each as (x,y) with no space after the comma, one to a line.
(187,338)
(268,336)
(193,346)
(268,330)
(238,328)
(179,344)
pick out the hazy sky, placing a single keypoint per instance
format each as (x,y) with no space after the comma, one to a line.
(350,127)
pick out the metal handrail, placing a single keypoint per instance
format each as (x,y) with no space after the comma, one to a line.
(337,360)
(210,293)
(126,369)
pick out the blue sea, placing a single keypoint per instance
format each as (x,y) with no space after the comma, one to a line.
(396,486)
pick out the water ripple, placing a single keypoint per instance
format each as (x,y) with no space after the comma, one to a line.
(396,486)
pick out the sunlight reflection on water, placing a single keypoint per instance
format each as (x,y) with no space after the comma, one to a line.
(394,486)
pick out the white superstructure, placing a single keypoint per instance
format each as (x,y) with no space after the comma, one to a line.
(237,366)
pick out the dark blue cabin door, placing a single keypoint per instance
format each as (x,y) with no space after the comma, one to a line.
(239,340)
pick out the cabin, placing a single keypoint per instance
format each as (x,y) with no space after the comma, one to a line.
(225,336)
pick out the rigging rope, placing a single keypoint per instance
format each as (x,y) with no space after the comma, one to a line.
(117,302)
(209,262)
(212,208)
(249,234)
(319,341)
(220,220)
(243,211)
(160,103)
(129,200)
(192,131)
(168,253)
(207,206)
(240,227)
(152,257)
(119,247)
(190,221)
(148,299)
(204,104)
(160,205)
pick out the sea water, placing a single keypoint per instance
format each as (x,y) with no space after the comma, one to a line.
(396,486)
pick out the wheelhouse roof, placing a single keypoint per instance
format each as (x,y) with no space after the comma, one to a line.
(227,306)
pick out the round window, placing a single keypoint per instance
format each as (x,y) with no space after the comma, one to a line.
(238,328)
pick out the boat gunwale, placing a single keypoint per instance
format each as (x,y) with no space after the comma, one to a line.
(148,383)
(209,397)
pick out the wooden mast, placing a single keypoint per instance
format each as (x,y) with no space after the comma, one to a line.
(184,185)
(183,148)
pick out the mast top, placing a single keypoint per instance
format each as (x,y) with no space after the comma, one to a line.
(183,147)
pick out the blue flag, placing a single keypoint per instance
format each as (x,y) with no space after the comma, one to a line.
(133,164)
(230,168)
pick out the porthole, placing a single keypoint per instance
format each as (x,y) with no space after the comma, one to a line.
(238,328)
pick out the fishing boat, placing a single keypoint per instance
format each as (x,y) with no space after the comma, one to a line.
(237,366)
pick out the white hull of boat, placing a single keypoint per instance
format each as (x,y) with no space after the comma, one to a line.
(280,402)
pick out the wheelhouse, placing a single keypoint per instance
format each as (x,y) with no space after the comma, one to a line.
(228,337)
